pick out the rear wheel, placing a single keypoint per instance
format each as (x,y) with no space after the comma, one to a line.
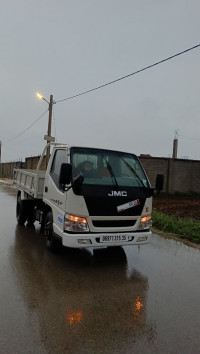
(21,211)
(51,241)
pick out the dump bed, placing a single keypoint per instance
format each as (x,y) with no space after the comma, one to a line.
(30,181)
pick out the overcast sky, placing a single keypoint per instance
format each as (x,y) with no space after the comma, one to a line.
(65,47)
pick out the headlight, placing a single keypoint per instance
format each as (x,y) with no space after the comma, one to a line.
(145,222)
(76,224)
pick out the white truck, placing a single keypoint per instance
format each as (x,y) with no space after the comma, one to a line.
(87,197)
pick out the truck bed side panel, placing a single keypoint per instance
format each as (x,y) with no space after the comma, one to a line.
(30,181)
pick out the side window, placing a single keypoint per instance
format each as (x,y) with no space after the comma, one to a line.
(59,158)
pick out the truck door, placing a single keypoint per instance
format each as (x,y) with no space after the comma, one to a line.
(53,194)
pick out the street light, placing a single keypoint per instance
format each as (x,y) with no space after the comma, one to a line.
(48,137)
(41,97)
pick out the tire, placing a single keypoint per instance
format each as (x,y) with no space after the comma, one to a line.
(51,241)
(21,211)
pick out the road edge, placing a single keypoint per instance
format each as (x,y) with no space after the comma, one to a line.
(175,237)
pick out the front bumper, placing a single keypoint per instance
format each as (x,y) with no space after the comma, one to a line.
(105,239)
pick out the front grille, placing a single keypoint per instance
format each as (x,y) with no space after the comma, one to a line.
(113,223)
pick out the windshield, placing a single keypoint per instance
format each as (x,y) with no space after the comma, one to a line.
(103,167)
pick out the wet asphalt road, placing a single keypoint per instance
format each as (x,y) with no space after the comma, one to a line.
(139,300)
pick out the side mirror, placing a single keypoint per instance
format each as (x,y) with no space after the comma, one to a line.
(65,174)
(159,183)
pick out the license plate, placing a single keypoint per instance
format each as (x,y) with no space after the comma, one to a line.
(115,238)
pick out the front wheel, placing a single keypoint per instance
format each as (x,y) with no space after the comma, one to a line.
(51,242)
(21,211)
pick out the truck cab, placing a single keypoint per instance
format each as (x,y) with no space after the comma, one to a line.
(96,198)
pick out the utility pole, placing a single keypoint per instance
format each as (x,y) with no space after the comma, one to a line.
(48,137)
(49,128)
(175,145)
(175,149)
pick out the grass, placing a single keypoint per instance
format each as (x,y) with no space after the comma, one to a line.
(187,229)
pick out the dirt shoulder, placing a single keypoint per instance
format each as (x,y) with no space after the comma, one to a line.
(181,207)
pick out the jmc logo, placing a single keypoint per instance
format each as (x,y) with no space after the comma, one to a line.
(117,194)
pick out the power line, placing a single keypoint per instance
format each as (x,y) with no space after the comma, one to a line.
(131,74)
(188,137)
(30,126)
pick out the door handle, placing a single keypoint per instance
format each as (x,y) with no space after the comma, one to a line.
(46,189)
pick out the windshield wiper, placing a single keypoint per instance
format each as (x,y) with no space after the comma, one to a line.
(109,167)
(134,172)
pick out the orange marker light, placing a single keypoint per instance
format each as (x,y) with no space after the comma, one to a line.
(145,218)
(77,219)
